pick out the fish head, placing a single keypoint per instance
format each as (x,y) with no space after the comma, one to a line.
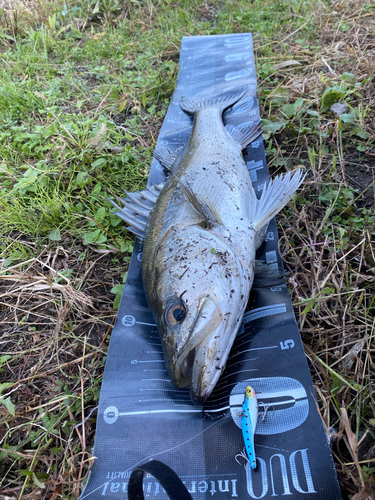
(199,299)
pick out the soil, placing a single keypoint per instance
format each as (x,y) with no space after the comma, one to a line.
(359,174)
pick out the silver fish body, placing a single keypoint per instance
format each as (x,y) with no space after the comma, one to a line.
(200,243)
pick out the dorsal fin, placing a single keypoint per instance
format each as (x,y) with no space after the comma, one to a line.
(166,156)
(137,208)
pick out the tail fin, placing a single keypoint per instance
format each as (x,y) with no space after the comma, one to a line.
(221,101)
(274,197)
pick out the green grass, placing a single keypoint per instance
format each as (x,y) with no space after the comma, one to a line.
(84,88)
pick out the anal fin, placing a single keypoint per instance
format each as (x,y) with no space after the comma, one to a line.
(244,134)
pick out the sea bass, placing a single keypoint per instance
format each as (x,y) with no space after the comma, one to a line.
(200,238)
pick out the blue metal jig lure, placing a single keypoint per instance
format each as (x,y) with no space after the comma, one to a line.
(249,419)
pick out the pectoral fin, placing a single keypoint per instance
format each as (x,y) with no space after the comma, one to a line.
(204,207)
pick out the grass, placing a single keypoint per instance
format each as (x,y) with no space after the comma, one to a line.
(84,87)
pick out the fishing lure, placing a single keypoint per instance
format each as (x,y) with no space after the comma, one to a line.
(249,417)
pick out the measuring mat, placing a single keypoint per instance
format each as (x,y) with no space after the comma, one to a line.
(142,416)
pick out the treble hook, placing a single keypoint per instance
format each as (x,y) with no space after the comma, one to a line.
(243,455)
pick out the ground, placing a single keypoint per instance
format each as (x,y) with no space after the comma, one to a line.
(84,87)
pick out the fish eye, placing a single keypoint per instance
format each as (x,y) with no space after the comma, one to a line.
(175,314)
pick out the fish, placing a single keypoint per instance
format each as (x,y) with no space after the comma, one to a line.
(200,231)
(249,419)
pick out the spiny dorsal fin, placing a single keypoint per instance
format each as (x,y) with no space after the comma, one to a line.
(244,134)
(137,208)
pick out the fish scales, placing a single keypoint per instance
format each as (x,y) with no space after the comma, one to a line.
(200,244)
(214,168)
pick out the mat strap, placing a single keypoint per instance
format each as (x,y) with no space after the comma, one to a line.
(169,480)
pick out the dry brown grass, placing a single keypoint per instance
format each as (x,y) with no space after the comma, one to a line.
(53,329)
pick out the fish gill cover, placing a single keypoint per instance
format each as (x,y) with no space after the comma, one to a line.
(142,416)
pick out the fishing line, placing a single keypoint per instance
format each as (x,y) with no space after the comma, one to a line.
(155,455)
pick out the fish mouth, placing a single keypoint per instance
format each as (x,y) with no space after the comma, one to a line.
(201,361)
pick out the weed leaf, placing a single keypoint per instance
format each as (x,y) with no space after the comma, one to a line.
(38,483)
(4,386)
(9,406)
(117,289)
(272,126)
(330,96)
(54,235)
(349,117)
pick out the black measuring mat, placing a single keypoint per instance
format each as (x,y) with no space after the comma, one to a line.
(143,417)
